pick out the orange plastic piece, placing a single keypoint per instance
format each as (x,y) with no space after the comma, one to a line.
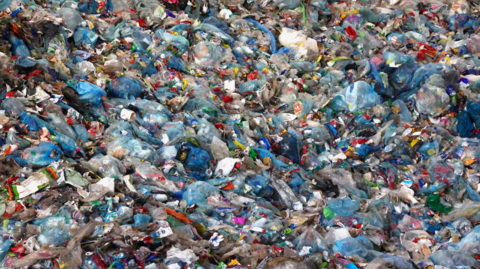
(180,216)
(229,186)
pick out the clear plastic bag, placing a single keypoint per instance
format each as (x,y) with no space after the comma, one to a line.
(310,239)
(453,259)
(55,229)
(287,4)
(198,192)
(213,30)
(431,100)
(297,41)
(70,16)
(207,54)
(123,147)
(359,95)
(353,246)
(107,166)
(13,106)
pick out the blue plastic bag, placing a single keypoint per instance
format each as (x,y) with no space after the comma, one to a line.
(197,159)
(198,192)
(84,36)
(344,207)
(259,186)
(125,87)
(473,110)
(289,148)
(25,62)
(353,246)
(464,125)
(27,120)
(81,132)
(43,155)
(68,145)
(90,94)
(18,46)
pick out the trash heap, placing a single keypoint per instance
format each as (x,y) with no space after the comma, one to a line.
(239,134)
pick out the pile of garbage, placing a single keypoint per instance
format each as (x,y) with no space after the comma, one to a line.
(239,134)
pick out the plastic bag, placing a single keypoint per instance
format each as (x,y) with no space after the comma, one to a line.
(90,94)
(123,147)
(43,155)
(125,87)
(359,95)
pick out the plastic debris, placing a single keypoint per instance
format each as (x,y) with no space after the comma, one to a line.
(239,134)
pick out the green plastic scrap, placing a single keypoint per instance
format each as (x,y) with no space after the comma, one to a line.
(433,201)
(328,213)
